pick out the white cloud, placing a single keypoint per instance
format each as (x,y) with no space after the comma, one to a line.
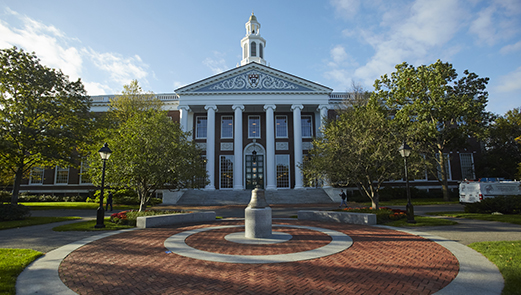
(511,48)
(338,53)
(496,22)
(510,82)
(217,64)
(346,8)
(53,48)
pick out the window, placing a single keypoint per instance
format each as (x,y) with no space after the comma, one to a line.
(84,177)
(261,53)
(447,166)
(227,171)
(467,166)
(307,126)
(253,49)
(254,127)
(282,163)
(226,127)
(201,127)
(36,175)
(281,126)
(62,175)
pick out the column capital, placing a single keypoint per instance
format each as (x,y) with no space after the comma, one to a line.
(211,106)
(238,106)
(297,106)
(184,108)
(269,106)
(323,107)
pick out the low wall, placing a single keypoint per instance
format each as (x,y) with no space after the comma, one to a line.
(341,217)
(168,219)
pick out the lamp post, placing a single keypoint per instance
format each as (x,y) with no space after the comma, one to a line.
(104,152)
(405,151)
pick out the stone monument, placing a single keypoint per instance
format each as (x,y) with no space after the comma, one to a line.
(257,216)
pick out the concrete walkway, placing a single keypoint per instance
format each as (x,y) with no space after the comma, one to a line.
(476,276)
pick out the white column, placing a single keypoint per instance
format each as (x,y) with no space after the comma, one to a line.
(183,117)
(210,145)
(237,148)
(323,117)
(297,138)
(271,169)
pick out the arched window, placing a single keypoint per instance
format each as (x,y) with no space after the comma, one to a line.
(245,50)
(261,52)
(253,49)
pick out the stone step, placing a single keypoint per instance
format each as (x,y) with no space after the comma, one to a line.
(233,197)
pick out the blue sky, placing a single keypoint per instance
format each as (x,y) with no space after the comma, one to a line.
(168,44)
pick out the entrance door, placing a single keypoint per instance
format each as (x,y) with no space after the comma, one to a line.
(254,171)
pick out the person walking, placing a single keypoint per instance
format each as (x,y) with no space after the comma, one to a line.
(344,198)
(109,202)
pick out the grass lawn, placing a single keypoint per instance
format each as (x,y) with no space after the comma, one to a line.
(89,226)
(421,221)
(403,202)
(12,263)
(33,221)
(510,218)
(506,255)
(71,205)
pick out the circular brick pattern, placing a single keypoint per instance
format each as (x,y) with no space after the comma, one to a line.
(380,261)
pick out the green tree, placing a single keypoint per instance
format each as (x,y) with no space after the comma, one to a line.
(438,111)
(502,152)
(150,152)
(360,147)
(131,101)
(44,118)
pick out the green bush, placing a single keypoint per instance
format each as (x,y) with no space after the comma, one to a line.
(502,204)
(5,197)
(123,196)
(13,212)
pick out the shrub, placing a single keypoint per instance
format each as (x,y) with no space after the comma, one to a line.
(13,212)
(129,217)
(502,204)
(5,197)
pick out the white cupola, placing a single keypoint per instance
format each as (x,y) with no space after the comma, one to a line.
(253,44)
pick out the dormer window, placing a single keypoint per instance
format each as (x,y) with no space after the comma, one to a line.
(261,54)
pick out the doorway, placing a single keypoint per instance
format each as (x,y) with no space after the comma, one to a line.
(254,171)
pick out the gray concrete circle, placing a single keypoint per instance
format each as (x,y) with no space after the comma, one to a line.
(240,238)
(339,242)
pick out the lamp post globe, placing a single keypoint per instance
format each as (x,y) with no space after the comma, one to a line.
(100,214)
(405,152)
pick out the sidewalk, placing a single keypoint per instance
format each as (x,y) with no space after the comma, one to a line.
(114,253)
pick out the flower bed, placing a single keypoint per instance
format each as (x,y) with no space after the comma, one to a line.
(129,217)
(383,215)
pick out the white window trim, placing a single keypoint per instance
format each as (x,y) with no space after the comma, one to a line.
(276,135)
(197,130)
(471,163)
(223,137)
(311,127)
(289,171)
(31,176)
(56,170)
(220,172)
(82,170)
(249,126)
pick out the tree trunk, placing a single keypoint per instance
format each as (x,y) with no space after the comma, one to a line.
(16,188)
(444,181)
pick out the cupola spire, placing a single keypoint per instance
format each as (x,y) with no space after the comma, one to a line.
(253,44)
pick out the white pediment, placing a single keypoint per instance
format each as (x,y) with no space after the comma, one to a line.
(253,78)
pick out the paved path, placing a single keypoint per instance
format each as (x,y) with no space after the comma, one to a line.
(474,269)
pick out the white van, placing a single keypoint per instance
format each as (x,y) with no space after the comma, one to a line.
(476,191)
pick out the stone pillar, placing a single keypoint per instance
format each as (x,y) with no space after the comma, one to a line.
(210,145)
(323,116)
(237,148)
(183,117)
(271,169)
(257,216)
(297,138)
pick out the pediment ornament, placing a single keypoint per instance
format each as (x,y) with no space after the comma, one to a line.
(254,80)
